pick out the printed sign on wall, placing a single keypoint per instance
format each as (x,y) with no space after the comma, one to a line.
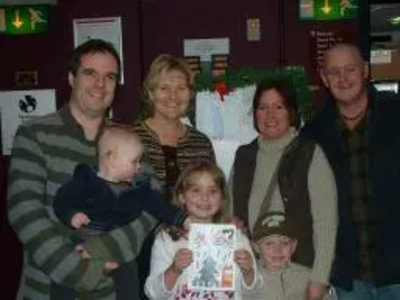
(18,107)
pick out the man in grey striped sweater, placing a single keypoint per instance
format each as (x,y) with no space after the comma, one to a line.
(44,155)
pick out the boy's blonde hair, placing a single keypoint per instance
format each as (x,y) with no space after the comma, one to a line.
(113,136)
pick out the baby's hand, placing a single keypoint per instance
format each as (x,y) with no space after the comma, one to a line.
(244,260)
(183,258)
(108,265)
(79,219)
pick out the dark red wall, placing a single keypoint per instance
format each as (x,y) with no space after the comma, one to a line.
(150,27)
(49,53)
(166,23)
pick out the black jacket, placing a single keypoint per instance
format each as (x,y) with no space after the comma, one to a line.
(92,195)
(384,143)
(292,183)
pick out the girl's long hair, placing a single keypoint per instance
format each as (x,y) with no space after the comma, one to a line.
(187,179)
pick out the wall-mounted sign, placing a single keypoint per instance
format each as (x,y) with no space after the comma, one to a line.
(24,19)
(26,78)
(381,56)
(325,10)
(205,49)
(321,39)
(107,28)
(18,107)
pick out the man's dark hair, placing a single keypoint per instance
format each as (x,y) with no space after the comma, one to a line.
(91,47)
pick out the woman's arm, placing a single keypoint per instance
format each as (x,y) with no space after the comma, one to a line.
(211,152)
(229,204)
(323,196)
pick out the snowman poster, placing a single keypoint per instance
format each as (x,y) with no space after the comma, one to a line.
(18,107)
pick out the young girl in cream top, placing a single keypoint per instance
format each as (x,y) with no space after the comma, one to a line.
(201,190)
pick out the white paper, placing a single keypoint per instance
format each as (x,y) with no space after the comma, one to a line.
(213,247)
(381,56)
(225,151)
(18,107)
(206,47)
(108,29)
(230,118)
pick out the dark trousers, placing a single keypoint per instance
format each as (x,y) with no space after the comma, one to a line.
(143,262)
(126,281)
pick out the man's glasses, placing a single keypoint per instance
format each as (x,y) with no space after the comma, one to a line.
(335,73)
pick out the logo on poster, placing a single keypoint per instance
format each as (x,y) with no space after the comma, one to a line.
(28,104)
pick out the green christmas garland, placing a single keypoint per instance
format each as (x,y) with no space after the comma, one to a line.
(246,76)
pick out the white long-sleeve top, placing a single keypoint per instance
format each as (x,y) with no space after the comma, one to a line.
(163,253)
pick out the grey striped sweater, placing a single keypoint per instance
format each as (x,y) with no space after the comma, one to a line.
(44,155)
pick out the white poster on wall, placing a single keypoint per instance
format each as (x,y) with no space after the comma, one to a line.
(205,48)
(18,107)
(108,29)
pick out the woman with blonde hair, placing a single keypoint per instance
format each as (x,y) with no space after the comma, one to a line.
(170,145)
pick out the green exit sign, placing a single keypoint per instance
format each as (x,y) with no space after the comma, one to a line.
(24,19)
(325,10)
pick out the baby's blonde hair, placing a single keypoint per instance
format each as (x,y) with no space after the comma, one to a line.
(113,137)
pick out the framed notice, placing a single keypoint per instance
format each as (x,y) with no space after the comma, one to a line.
(18,107)
(107,28)
(219,64)
(321,39)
